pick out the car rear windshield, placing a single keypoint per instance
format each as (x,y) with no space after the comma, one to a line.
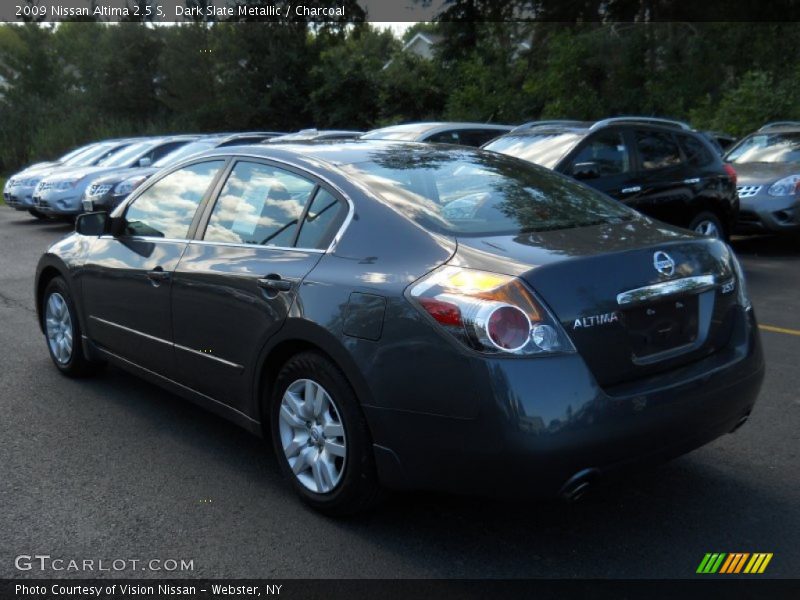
(546,148)
(479,193)
(767,148)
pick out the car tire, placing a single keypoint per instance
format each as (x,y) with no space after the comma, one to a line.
(35,213)
(320,437)
(708,224)
(62,331)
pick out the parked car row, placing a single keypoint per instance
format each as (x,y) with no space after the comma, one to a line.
(661,167)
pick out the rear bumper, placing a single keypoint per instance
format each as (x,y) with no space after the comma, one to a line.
(544,420)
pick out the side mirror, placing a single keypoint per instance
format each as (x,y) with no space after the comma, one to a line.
(145,162)
(92,223)
(586,170)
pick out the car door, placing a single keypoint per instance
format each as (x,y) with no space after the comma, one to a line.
(663,187)
(126,281)
(238,279)
(604,161)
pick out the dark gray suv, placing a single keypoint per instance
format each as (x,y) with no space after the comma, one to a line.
(412,316)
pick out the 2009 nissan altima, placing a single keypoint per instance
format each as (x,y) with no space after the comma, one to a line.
(411,316)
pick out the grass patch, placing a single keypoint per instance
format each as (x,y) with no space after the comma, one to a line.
(2,184)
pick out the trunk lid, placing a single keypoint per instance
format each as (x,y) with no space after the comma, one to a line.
(636,298)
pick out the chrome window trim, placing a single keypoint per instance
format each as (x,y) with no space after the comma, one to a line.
(256,246)
(143,238)
(664,289)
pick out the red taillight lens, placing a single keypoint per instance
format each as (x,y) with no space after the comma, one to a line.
(508,327)
(731,173)
(445,313)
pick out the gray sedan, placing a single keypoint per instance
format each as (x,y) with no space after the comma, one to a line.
(519,334)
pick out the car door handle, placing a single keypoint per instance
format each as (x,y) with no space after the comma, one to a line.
(158,275)
(274,283)
(631,190)
(692,180)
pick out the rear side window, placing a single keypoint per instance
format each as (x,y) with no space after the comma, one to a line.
(697,153)
(657,150)
(166,209)
(604,153)
(259,204)
(320,225)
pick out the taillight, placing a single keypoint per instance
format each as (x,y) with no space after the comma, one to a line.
(731,173)
(489,312)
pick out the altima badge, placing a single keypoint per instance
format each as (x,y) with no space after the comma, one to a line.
(602,319)
(663,263)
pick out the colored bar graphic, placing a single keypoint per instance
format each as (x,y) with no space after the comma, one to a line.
(733,563)
(758,563)
(711,563)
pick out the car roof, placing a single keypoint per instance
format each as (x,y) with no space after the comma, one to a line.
(562,126)
(429,127)
(332,153)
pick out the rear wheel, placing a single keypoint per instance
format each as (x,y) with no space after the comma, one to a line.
(320,437)
(62,330)
(709,225)
(35,213)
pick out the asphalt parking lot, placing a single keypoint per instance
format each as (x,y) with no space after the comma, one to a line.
(113,467)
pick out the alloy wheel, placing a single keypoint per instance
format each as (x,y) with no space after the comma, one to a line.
(312,436)
(58,324)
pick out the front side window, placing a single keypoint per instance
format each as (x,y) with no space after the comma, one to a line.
(657,150)
(260,205)
(604,154)
(166,208)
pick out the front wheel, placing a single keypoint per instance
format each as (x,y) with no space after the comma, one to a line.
(320,437)
(709,225)
(62,330)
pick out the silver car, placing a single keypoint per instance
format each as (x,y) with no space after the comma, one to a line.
(60,194)
(767,165)
(20,187)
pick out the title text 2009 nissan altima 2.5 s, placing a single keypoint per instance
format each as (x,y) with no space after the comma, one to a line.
(409,316)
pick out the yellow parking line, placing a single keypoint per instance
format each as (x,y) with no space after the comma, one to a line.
(774,329)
